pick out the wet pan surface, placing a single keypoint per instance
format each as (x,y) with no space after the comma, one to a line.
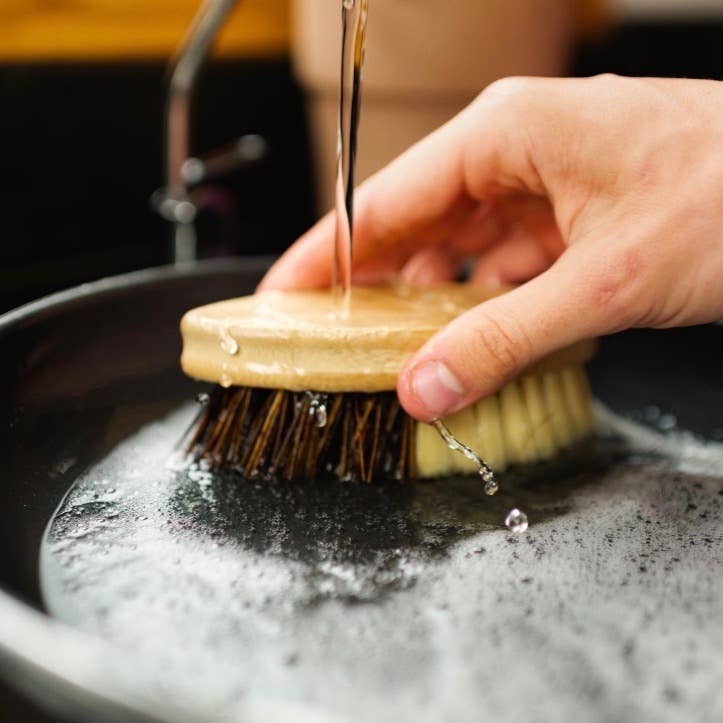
(242,600)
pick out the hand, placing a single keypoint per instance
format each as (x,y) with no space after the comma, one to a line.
(603,197)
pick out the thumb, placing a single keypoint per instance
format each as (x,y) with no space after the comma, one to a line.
(485,347)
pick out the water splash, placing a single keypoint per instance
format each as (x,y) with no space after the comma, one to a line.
(491,486)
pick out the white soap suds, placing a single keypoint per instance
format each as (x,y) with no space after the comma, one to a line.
(609,608)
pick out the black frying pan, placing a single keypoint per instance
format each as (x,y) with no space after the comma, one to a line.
(392,603)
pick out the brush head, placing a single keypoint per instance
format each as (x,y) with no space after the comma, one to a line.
(281,358)
(308,340)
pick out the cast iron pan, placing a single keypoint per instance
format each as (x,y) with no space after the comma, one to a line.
(160,593)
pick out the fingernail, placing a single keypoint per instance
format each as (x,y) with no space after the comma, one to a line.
(436,387)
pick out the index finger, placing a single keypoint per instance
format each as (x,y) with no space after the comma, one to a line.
(400,207)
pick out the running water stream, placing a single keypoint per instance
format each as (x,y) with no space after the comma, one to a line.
(354,23)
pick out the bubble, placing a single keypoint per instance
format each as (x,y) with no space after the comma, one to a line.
(667,422)
(516,521)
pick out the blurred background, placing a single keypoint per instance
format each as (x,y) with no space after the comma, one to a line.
(83,90)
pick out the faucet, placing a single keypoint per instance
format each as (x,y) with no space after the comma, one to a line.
(175,201)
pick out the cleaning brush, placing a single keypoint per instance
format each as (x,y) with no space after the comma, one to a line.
(305,388)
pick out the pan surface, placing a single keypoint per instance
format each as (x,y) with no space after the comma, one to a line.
(162,591)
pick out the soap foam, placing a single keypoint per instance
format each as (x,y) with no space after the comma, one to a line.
(251,601)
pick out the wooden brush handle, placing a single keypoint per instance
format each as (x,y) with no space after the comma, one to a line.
(299,340)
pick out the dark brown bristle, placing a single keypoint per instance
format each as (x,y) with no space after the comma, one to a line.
(274,434)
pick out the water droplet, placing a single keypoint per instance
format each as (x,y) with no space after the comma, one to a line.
(225,380)
(317,409)
(516,521)
(228,343)
(202,399)
(348,4)
(321,417)
(491,487)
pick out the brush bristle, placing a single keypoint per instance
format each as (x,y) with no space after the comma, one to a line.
(529,420)
(275,434)
(368,437)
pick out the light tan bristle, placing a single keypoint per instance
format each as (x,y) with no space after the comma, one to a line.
(529,420)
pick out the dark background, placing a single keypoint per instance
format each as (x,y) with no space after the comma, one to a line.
(81,149)
(82,152)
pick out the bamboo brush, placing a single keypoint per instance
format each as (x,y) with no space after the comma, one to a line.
(305,389)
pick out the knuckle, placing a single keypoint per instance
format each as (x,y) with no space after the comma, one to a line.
(500,346)
(503,111)
(645,171)
(615,286)
(607,78)
(507,90)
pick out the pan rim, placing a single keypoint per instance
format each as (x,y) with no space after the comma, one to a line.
(73,296)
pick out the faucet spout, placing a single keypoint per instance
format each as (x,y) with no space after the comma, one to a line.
(175,204)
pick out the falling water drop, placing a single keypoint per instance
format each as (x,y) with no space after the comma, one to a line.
(202,399)
(516,521)
(490,483)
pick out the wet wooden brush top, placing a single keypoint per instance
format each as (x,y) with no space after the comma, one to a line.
(300,340)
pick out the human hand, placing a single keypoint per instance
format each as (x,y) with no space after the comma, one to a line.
(603,197)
